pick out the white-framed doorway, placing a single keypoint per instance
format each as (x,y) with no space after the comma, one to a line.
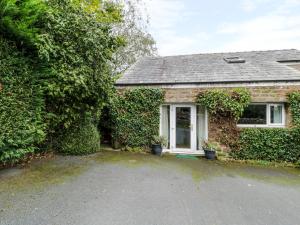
(185,127)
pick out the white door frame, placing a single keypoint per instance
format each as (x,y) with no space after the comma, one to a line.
(192,125)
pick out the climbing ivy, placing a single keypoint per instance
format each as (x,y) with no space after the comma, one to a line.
(225,103)
(135,115)
(276,144)
(294,101)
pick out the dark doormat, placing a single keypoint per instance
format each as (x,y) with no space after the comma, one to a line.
(186,157)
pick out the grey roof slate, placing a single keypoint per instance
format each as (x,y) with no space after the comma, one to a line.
(260,66)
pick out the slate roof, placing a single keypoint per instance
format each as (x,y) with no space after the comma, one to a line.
(260,66)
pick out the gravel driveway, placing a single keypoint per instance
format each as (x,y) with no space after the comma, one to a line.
(114,188)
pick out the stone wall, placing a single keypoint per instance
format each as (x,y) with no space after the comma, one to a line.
(217,131)
(259,94)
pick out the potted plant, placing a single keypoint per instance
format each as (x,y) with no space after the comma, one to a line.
(210,149)
(157,144)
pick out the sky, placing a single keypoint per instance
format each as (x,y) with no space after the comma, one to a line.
(201,26)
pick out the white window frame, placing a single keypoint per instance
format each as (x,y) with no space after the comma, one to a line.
(268,114)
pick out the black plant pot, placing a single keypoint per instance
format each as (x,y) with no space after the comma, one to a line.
(210,154)
(156,149)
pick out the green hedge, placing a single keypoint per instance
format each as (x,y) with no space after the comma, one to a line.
(294,101)
(135,114)
(81,138)
(21,105)
(275,144)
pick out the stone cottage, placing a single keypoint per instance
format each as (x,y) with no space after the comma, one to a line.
(268,75)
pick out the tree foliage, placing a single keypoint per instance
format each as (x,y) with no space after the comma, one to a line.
(77,50)
(134,29)
(58,71)
(20,21)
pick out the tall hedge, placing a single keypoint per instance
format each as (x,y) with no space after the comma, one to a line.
(135,114)
(21,105)
(271,144)
(55,66)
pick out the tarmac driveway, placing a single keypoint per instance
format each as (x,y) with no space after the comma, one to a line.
(113,188)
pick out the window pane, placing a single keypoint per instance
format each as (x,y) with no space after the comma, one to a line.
(276,114)
(201,131)
(183,127)
(254,114)
(165,123)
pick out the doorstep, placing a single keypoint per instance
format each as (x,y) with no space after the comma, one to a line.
(195,153)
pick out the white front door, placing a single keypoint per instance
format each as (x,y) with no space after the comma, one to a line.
(183,128)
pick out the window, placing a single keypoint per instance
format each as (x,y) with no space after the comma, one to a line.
(276,112)
(263,115)
(254,114)
(235,59)
(201,126)
(295,64)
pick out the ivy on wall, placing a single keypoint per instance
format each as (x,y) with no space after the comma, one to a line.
(225,103)
(135,114)
(294,101)
(276,144)
(225,107)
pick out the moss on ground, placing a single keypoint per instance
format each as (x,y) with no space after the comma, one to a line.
(63,169)
(43,173)
(202,169)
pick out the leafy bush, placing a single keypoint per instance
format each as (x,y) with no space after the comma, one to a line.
(294,101)
(78,51)
(225,103)
(58,69)
(135,114)
(276,144)
(21,105)
(80,139)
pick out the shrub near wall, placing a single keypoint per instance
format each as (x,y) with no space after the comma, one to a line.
(275,144)
(80,139)
(136,114)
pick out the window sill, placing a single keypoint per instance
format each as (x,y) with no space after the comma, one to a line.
(260,126)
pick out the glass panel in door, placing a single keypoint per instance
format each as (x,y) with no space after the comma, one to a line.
(183,127)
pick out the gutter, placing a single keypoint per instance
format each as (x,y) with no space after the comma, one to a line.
(206,83)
